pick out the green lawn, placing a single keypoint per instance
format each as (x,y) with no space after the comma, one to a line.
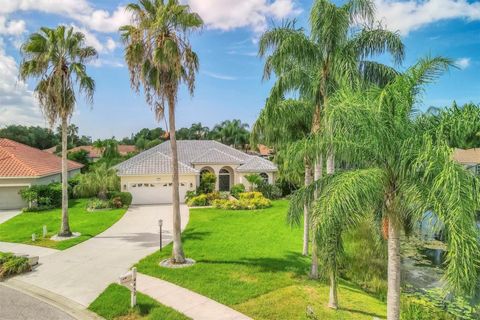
(251,261)
(114,303)
(20,228)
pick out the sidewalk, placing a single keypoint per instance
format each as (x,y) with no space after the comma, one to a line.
(18,248)
(189,303)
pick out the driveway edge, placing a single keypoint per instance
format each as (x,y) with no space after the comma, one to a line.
(66,305)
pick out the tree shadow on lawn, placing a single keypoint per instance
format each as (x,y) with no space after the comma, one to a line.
(370,314)
(292,262)
(191,234)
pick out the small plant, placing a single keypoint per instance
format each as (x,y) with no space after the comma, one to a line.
(237,189)
(42,197)
(125,197)
(116,202)
(190,194)
(207,183)
(97,204)
(12,265)
(198,201)
(254,180)
(247,201)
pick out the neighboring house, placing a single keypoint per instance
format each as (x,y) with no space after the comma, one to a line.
(148,175)
(23,166)
(470,158)
(95,154)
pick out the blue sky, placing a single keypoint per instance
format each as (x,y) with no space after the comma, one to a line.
(229,84)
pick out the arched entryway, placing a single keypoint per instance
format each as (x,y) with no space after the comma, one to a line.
(225,179)
(264,176)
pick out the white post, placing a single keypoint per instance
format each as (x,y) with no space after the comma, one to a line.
(33,237)
(133,300)
(44,231)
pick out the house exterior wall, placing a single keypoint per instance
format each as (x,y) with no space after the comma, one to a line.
(10,187)
(243,180)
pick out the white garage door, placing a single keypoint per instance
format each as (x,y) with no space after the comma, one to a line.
(10,199)
(154,193)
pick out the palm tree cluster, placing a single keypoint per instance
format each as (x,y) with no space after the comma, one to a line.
(360,113)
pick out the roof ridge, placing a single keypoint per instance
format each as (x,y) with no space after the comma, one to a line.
(222,152)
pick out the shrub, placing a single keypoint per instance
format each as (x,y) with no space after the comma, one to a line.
(255,180)
(96,204)
(198,201)
(237,189)
(11,265)
(207,183)
(42,197)
(97,182)
(190,194)
(269,191)
(247,201)
(116,202)
(125,197)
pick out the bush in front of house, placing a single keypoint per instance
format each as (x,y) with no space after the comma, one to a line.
(98,204)
(246,201)
(269,191)
(207,183)
(12,265)
(42,197)
(97,183)
(198,201)
(125,197)
(237,189)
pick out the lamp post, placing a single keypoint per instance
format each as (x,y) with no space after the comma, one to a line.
(160,223)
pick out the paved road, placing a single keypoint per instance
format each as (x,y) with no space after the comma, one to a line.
(82,272)
(15,305)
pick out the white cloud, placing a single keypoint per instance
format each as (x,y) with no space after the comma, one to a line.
(219,76)
(79,10)
(92,40)
(17,104)
(232,14)
(463,63)
(100,62)
(12,27)
(407,16)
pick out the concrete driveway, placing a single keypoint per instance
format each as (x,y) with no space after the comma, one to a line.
(8,214)
(82,272)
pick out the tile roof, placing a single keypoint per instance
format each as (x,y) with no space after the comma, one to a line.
(19,160)
(155,163)
(257,164)
(97,153)
(467,156)
(191,152)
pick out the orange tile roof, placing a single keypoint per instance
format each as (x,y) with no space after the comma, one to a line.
(467,156)
(97,153)
(19,160)
(264,150)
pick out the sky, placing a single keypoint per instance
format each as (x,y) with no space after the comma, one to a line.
(229,84)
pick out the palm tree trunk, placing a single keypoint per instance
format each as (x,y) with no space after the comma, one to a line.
(393,294)
(333,298)
(317,175)
(306,217)
(65,227)
(177,255)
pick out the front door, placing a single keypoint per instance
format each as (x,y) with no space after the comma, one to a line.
(224,182)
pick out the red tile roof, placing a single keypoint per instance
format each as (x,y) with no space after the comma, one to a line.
(264,150)
(467,156)
(97,153)
(19,160)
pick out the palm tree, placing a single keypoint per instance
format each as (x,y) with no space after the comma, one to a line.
(98,182)
(56,58)
(285,126)
(335,53)
(401,173)
(160,58)
(232,132)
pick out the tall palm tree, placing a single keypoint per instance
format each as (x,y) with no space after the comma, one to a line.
(232,132)
(284,126)
(402,173)
(335,53)
(56,58)
(160,58)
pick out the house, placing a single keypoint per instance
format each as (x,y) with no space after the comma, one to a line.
(470,158)
(95,154)
(148,175)
(23,166)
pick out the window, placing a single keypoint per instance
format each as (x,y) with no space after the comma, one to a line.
(477,169)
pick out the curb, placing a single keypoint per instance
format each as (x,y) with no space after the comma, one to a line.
(68,306)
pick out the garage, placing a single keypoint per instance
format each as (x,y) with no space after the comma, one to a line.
(154,193)
(10,199)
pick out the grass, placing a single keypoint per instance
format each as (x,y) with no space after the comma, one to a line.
(114,303)
(20,228)
(252,262)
